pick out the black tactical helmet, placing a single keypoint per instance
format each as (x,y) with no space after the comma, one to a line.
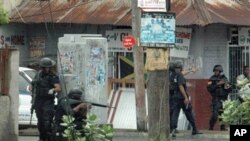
(47,62)
(178,64)
(218,68)
(75,94)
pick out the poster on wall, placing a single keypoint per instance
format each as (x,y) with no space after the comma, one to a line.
(152,5)
(182,43)
(37,46)
(244,36)
(157,29)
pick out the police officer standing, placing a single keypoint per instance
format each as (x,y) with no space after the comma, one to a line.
(180,100)
(219,88)
(71,105)
(44,86)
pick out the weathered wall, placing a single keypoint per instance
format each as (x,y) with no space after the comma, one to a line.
(54,31)
(9,104)
(209,43)
(14,36)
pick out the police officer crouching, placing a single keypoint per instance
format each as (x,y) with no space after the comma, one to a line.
(219,89)
(180,100)
(71,105)
(44,86)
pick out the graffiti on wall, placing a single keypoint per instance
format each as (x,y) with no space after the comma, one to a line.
(193,62)
(96,70)
(67,61)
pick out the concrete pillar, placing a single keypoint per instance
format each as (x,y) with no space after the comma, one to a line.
(9,103)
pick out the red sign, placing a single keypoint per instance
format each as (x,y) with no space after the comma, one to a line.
(128,41)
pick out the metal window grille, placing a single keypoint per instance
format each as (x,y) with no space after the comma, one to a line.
(238,58)
(238,55)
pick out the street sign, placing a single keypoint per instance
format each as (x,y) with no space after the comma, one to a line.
(128,41)
(153,5)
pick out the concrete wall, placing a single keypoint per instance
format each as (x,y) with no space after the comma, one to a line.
(9,104)
(209,43)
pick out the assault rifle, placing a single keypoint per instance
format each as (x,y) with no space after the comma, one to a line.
(34,90)
(73,101)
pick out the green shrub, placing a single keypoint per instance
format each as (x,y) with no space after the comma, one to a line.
(93,131)
(235,113)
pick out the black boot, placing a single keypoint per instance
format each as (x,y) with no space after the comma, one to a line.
(196,131)
(222,127)
(211,127)
(173,133)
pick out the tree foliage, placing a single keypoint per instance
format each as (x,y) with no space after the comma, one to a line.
(4,19)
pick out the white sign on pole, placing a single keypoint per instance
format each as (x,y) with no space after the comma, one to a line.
(115,38)
(182,43)
(244,36)
(153,5)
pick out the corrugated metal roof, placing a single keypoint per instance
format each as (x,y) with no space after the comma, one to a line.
(118,12)
(74,11)
(203,12)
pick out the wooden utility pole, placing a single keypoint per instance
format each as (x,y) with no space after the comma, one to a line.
(158,109)
(158,96)
(139,70)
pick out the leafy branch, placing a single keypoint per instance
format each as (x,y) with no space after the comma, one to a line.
(4,19)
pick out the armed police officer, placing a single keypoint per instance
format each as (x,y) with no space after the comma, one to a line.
(179,99)
(219,88)
(71,105)
(44,87)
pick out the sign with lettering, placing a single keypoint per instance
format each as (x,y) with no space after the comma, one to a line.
(157,29)
(128,41)
(12,40)
(182,43)
(115,38)
(153,5)
(244,36)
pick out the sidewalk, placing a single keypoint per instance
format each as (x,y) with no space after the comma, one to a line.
(182,136)
(128,135)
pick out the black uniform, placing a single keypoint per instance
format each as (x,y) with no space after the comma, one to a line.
(66,108)
(44,102)
(219,94)
(177,103)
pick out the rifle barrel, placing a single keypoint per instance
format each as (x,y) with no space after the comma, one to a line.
(100,105)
